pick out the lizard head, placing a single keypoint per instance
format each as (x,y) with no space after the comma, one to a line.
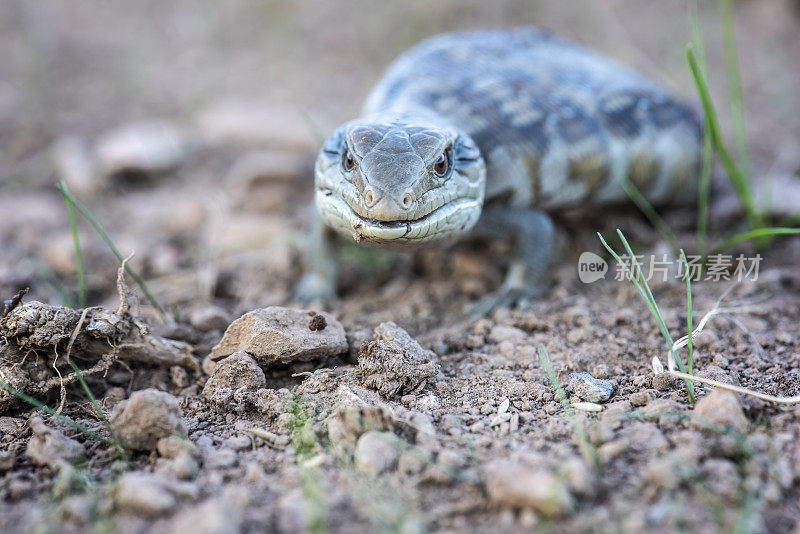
(398,181)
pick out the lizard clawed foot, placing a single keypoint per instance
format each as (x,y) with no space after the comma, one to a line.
(505,298)
(518,290)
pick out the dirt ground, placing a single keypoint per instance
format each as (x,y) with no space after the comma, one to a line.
(189,132)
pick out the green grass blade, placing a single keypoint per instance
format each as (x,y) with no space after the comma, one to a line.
(63,418)
(78,256)
(704,187)
(697,36)
(739,181)
(689,327)
(644,290)
(117,445)
(138,279)
(588,452)
(757,234)
(734,86)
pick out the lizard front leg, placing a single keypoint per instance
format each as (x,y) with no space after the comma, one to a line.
(526,278)
(319,263)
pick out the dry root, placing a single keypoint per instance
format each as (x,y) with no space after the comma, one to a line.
(38,340)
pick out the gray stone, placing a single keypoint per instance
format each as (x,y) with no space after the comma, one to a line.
(515,484)
(376,452)
(235,376)
(146,148)
(146,417)
(394,363)
(722,408)
(49,447)
(589,388)
(150,495)
(283,335)
(214,516)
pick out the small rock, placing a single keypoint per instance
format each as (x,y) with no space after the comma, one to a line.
(376,452)
(48,447)
(516,485)
(238,443)
(714,372)
(7,460)
(209,318)
(282,335)
(140,150)
(172,447)
(500,333)
(238,373)
(213,516)
(270,402)
(179,376)
(580,478)
(266,124)
(664,382)
(149,495)
(589,388)
(265,180)
(722,477)
(180,457)
(641,398)
(720,407)
(394,363)
(147,416)
(221,459)
(411,463)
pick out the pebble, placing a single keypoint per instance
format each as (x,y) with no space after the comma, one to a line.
(514,484)
(720,407)
(7,461)
(394,363)
(209,318)
(664,382)
(220,459)
(238,443)
(140,149)
(265,124)
(49,447)
(239,372)
(147,416)
(376,452)
(501,333)
(641,398)
(213,516)
(265,180)
(587,406)
(150,495)
(580,478)
(282,335)
(589,388)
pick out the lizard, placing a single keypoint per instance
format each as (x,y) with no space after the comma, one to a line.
(496,129)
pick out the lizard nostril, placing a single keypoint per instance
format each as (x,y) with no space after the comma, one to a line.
(408,199)
(369,198)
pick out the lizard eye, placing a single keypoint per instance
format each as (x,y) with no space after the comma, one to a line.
(348,160)
(442,165)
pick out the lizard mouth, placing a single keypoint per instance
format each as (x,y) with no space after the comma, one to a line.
(453,218)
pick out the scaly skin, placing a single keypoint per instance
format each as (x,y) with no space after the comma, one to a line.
(497,126)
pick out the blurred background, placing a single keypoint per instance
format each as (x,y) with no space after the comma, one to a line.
(189,129)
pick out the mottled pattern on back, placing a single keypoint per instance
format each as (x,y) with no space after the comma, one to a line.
(555,122)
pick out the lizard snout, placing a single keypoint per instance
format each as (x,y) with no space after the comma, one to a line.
(389,206)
